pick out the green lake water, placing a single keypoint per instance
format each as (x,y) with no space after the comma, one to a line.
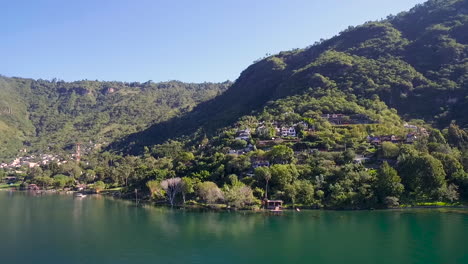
(95,229)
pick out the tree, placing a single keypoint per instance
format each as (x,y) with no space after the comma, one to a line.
(72,169)
(125,171)
(201,175)
(291,192)
(209,192)
(155,189)
(282,175)
(389,150)
(281,154)
(185,157)
(388,184)
(99,186)
(349,155)
(88,176)
(239,165)
(237,194)
(449,193)
(34,172)
(456,136)
(187,187)
(61,181)
(452,167)
(263,174)
(169,149)
(422,174)
(172,187)
(43,181)
(305,192)
(238,144)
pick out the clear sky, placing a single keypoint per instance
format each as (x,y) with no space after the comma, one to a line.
(187,40)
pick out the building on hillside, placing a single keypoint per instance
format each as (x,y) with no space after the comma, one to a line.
(288,132)
(336,119)
(243,134)
(260,163)
(377,140)
(411,138)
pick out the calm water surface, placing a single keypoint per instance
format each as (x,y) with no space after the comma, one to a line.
(61,229)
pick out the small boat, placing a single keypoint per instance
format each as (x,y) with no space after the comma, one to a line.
(80,195)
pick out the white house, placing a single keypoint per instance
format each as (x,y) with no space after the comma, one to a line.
(288,132)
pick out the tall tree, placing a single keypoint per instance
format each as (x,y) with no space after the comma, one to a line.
(388,183)
(263,174)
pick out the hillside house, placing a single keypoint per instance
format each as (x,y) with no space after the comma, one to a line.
(243,134)
(288,132)
(411,138)
(260,163)
(336,119)
(377,140)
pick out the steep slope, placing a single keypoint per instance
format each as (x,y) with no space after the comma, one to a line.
(15,126)
(415,62)
(53,115)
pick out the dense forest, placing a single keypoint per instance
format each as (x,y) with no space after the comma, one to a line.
(374,117)
(51,116)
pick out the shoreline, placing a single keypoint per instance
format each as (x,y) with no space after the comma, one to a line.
(223,208)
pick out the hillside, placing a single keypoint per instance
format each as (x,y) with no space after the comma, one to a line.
(39,115)
(416,62)
(372,118)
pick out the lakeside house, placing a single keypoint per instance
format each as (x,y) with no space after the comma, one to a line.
(274,204)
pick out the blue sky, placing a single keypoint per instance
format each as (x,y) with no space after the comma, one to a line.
(187,40)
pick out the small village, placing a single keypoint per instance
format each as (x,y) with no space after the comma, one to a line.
(282,134)
(31,161)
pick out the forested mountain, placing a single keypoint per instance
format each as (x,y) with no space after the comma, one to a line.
(374,117)
(53,115)
(416,62)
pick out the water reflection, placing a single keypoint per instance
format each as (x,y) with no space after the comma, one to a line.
(98,229)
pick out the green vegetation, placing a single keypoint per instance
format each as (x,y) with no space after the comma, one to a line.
(51,116)
(321,127)
(324,165)
(415,62)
